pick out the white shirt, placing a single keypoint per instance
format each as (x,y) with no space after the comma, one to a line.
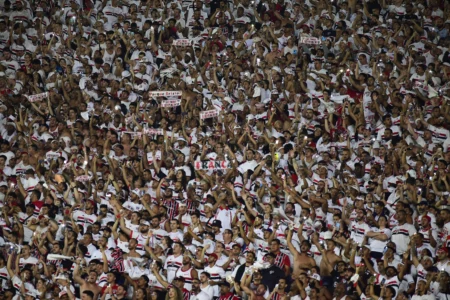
(201,296)
(401,236)
(208,290)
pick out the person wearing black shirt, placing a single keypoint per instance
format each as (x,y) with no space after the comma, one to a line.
(249,260)
(350,289)
(272,274)
(338,274)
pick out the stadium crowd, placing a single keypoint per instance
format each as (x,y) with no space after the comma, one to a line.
(224,149)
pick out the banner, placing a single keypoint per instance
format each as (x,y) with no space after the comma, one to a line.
(153,131)
(309,41)
(37,97)
(212,165)
(132,134)
(182,42)
(83,178)
(209,114)
(165,93)
(171,103)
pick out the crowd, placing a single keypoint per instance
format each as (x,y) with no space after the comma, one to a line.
(224,149)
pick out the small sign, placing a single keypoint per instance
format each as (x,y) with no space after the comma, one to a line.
(209,114)
(165,93)
(83,178)
(182,42)
(132,134)
(212,165)
(37,97)
(309,41)
(153,131)
(171,103)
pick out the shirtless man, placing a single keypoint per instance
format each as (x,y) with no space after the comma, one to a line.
(301,259)
(88,284)
(329,258)
(132,246)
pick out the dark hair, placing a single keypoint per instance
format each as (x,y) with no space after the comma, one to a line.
(277,241)
(83,249)
(89,293)
(37,193)
(98,60)
(391,289)
(410,180)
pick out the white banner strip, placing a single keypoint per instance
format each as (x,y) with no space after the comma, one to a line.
(165,93)
(182,42)
(212,165)
(171,103)
(309,41)
(83,178)
(37,97)
(153,131)
(132,134)
(209,114)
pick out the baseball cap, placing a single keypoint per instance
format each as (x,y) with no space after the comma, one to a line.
(216,223)
(315,276)
(213,255)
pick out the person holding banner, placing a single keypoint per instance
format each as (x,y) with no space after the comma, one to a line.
(259,131)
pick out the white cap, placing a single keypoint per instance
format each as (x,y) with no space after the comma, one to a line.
(61,277)
(315,276)
(228,99)
(137,192)
(189,80)
(289,71)
(411,173)
(257,92)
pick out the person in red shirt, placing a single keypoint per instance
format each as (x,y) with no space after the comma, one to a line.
(281,260)
(111,286)
(225,293)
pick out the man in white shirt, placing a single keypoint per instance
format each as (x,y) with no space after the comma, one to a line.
(197,293)
(217,273)
(26,257)
(204,285)
(401,234)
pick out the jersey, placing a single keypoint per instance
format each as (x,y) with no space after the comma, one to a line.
(217,274)
(187,275)
(172,264)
